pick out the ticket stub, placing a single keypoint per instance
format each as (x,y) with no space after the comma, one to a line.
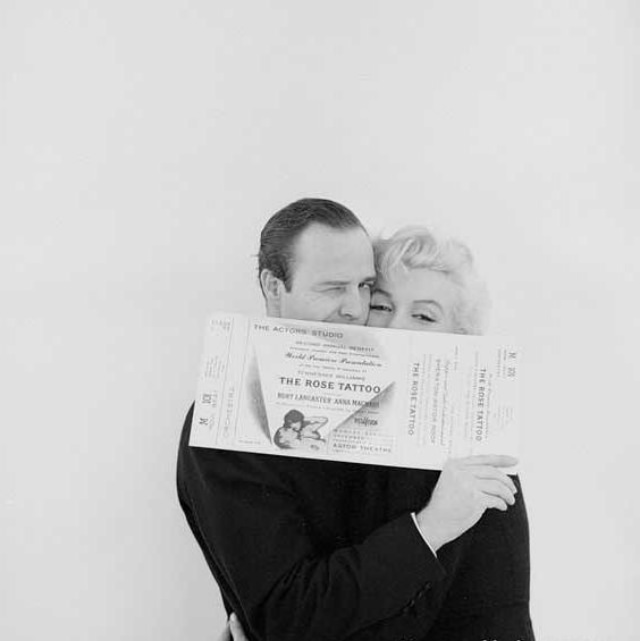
(352,393)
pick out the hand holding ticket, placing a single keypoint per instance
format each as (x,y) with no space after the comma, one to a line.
(466,488)
(351,393)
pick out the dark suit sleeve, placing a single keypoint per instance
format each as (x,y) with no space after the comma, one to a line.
(247,520)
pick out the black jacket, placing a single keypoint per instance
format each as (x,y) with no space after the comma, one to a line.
(326,551)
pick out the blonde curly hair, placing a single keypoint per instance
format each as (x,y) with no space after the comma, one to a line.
(417,247)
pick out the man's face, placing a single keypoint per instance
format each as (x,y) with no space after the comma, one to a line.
(332,272)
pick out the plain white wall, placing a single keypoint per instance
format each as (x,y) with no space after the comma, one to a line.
(143,144)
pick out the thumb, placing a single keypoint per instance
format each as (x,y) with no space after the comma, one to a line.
(237,633)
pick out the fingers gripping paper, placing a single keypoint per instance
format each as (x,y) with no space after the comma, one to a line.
(351,393)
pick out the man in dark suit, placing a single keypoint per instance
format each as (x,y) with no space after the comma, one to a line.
(311,550)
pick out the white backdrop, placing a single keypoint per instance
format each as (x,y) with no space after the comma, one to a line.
(143,144)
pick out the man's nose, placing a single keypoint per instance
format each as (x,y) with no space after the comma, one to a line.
(353,306)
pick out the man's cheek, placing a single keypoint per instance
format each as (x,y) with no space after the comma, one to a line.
(318,310)
(322,307)
(331,313)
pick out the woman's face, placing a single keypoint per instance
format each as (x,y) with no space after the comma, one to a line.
(420,299)
(296,426)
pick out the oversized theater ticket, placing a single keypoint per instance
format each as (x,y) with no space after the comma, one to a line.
(350,393)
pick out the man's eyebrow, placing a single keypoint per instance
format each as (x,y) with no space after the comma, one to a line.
(368,279)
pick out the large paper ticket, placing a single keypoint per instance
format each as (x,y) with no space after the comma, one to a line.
(351,393)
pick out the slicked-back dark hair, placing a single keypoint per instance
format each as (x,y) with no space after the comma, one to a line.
(278,237)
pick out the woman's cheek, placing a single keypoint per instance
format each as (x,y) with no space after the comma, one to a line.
(376,319)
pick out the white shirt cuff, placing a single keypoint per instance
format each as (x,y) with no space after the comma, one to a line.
(424,538)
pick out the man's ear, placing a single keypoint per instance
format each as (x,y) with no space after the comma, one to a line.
(272,288)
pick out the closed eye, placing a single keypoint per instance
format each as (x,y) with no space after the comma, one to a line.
(335,289)
(425,318)
(380,308)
